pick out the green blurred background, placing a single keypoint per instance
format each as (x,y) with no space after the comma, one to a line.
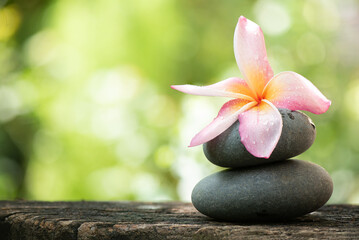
(86,109)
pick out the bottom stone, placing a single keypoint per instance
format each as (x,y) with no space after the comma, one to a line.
(275,191)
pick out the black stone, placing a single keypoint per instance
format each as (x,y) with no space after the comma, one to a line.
(227,150)
(275,191)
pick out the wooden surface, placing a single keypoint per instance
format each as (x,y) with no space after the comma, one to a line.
(136,220)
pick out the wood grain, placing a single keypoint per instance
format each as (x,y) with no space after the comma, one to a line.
(163,220)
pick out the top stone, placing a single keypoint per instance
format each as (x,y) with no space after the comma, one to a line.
(227,150)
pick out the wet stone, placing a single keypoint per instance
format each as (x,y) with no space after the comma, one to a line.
(275,191)
(227,150)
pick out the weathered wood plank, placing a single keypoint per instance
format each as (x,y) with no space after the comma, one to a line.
(174,220)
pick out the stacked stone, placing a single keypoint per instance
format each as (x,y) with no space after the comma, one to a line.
(258,189)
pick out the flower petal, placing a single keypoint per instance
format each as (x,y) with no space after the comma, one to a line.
(251,54)
(226,117)
(293,91)
(231,87)
(260,129)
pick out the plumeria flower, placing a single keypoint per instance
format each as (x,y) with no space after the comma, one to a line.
(257,96)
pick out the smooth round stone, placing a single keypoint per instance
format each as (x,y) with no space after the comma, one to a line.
(275,191)
(227,150)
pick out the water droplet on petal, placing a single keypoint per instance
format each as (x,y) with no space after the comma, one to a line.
(254,142)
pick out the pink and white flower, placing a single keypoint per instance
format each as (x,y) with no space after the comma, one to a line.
(257,96)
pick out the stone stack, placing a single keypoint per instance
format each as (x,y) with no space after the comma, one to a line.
(258,189)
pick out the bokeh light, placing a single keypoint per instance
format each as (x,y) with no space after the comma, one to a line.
(86,108)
